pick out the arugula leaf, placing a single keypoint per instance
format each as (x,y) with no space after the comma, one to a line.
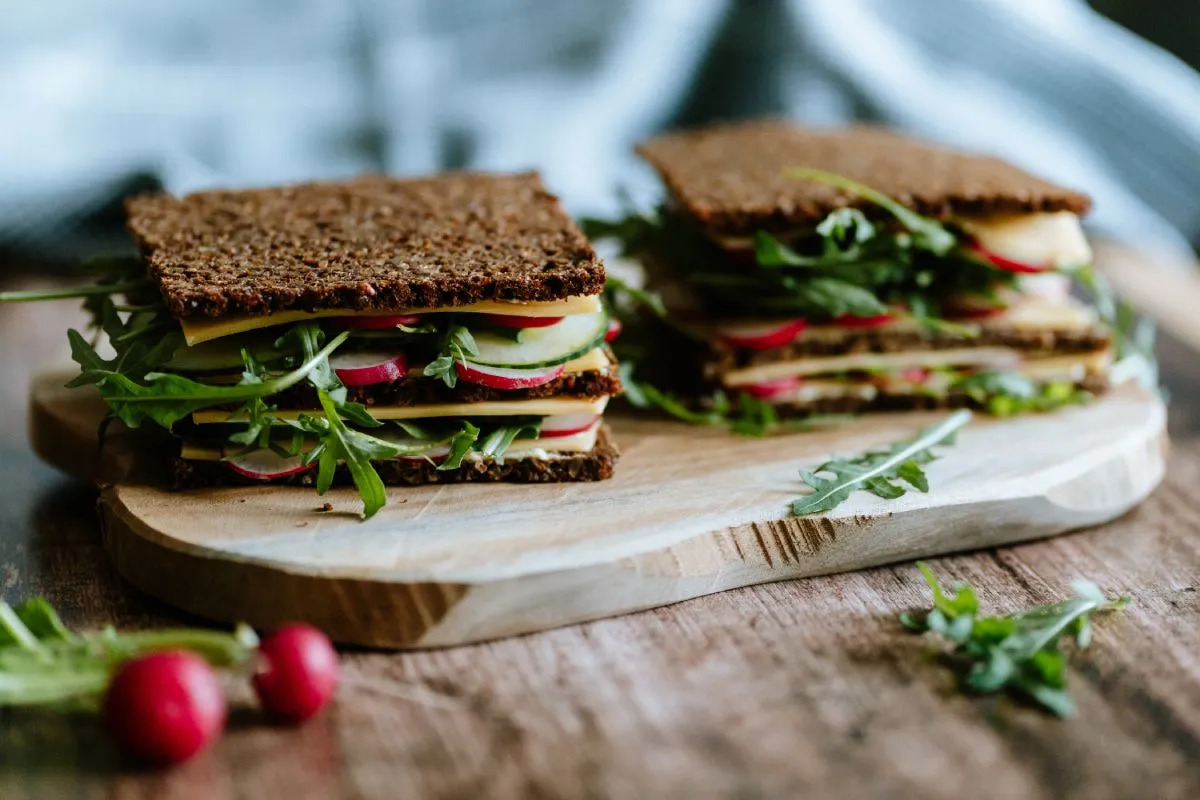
(460,445)
(1018,652)
(877,471)
(40,619)
(619,293)
(499,440)
(928,234)
(457,346)
(36,295)
(633,230)
(166,398)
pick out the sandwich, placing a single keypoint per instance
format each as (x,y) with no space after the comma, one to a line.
(831,271)
(375,331)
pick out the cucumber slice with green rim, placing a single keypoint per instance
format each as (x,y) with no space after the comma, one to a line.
(576,335)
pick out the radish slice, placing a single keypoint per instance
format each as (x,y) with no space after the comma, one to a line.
(974,313)
(1000,262)
(848,321)
(614,329)
(512,321)
(567,424)
(364,367)
(768,389)
(377,323)
(506,378)
(266,465)
(760,335)
(915,375)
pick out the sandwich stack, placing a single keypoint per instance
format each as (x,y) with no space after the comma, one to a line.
(848,270)
(376,331)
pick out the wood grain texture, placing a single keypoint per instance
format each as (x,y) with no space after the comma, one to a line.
(795,689)
(690,512)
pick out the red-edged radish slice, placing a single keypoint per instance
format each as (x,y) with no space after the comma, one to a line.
(768,389)
(1000,262)
(266,465)
(365,367)
(759,335)
(513,321)
(614,329)
(377,322)
(567,424)
(505,378)
(974,313)
(915,375)
(848,321)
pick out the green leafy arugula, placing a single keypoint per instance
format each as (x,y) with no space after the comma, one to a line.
(458,346)
(1004,394)
(1017,653)
(881,472)
(42,663)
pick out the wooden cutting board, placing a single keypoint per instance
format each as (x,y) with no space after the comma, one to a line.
(691,511)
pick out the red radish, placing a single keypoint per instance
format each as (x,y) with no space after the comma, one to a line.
(165,707)
(768,389)
(513,321)
(759,335)
(974,313)
(377,322)
(915,375)
(1000,262)
(297,674)
(848,321)
(567,424)
(505,378)
(265,465)
(614,329)
(364,367)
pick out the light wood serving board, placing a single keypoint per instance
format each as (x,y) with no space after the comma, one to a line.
(691,511)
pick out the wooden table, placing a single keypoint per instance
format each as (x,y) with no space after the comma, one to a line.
(800,689)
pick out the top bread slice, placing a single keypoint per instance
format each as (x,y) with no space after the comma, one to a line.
(372,243)
(731,177)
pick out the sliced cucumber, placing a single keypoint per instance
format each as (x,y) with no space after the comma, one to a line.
(576,335)
(222,355)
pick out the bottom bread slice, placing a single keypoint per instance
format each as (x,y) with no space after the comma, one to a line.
(595,465)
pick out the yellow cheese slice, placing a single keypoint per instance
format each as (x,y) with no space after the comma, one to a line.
(1056,239)
(203,329)
(580,442)
(993,357)
(542,407)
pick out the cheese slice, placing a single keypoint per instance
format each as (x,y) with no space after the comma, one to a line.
(540,407)
(1054,239)
(1071,369)
(990,357)
(198,330)
(581,442)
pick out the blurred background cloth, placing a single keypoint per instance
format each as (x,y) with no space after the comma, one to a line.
(101,98)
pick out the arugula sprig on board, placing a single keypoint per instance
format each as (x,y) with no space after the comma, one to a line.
(1017,653)
(881,472)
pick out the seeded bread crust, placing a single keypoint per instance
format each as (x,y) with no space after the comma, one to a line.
(594,465)
(730,177)
(370,243)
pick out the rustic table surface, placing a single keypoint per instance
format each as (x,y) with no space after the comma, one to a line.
(798,689)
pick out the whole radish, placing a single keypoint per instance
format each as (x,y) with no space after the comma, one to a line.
(297,673)
(165,707)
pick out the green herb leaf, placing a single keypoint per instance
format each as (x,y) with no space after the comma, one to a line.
(1016,652)
(879,471)
(457,347)
(496,444)
(340,443)
(1004,394)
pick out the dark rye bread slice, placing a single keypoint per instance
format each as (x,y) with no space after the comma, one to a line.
(418,390)
(594,465)
(370,243)
(730,177)
(880,340)
(1095,384)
